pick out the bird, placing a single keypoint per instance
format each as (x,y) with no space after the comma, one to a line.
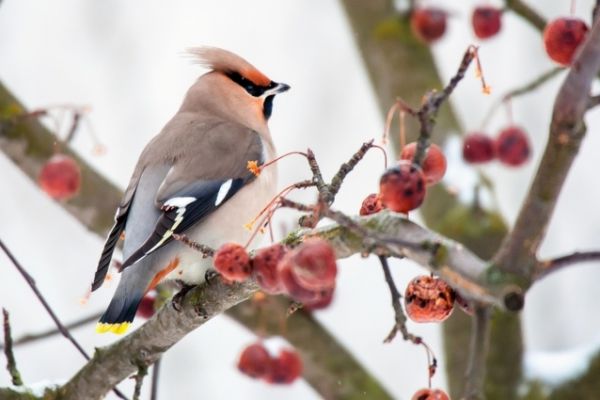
(192,178)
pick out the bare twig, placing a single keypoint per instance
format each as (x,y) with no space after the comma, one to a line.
(155,375)
(593,101)
(51,332)
(205,250)
(62,329)
(549,266)
(399,316)
(477,354)
(11,364)
(139,381)
(347,167)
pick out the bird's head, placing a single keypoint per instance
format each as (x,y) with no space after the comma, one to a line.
(233,88)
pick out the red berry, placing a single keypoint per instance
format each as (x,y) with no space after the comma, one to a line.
(146,308)
(255,361)
(371,205)
(430,394)
(512,146)
(324,301)
(562,37)
(428,299)
(264,264)
(486,21)
(297,291)
(434,163)
(312,264)
(402,187)
(478,148)
(428,23)
(60,177)
(232,262)
(286,368)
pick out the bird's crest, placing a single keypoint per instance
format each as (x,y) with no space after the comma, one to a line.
(225,61)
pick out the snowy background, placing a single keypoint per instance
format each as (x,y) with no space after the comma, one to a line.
(124,59)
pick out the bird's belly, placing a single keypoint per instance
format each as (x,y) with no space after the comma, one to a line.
(226,225)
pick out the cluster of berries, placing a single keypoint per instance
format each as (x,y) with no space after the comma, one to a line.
(562,36)
(510,147)
(256,362)
(306,273)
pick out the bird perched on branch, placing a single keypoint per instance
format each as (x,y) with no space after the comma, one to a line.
(192,178)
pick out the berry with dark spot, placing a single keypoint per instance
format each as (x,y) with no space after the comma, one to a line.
(60,177)
(295,290)
(312,264)
(255,361)
(562,37)
(371,205)
(232,261)
(285,368)
(486,21)
(264,268)
(512,146)
(146,308)
(430,394)
(428,299)
(428,23)
(402,187)
(478,148)
(433,165)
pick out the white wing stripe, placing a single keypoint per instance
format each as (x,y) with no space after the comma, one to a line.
(223,190)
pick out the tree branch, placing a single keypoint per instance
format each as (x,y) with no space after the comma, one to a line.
(477,354)
(523,10)
(11,364)
(544,268)
(517,254)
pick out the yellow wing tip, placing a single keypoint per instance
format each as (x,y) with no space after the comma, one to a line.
(118,329)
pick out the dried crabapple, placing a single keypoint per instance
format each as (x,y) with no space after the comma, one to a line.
(402,187)
(433,165)
(486,21)
(264,265)
(146,307)
(312,264)
(371,205)
(430,394)
(232,261)
(428,299)
(428,23)
(478,148)
(255,361)
(562,37)
(60,177)
(285,368)
(512,146)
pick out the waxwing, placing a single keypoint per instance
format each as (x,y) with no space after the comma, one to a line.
(192,178)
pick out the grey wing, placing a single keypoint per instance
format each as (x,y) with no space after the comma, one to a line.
(194,188)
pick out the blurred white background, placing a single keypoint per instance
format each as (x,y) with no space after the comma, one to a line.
(124,59)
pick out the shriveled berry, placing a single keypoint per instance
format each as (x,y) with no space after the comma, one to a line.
(562,37)
(428,23)
(60,177)
(255,361)
(478,148)
(402,187)
(433,165)
(512,146)
(430,394)
(146,308)
(264,266)
(286,368)
(324,301)
(371,205)
(313,264)
(428,299)
(486,21)
(232,261)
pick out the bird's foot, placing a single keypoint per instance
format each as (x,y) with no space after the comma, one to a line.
(210,275)
(177,300)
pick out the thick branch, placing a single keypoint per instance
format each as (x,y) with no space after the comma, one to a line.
(517,254)
(479,343)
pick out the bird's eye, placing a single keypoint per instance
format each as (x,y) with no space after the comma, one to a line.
(251,88)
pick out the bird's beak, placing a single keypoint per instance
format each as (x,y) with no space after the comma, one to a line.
(278,88)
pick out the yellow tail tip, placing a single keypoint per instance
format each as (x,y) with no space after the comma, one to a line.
(118,329)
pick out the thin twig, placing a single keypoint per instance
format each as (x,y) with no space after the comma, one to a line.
(347,167)
(549,266)
(205,250)
(399,316)
(139,381)
(11,364)
(154,383)
(526,12)
(593,101)
(477,354)
(28,338)
(59,325)
(316,171)
(74,125)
